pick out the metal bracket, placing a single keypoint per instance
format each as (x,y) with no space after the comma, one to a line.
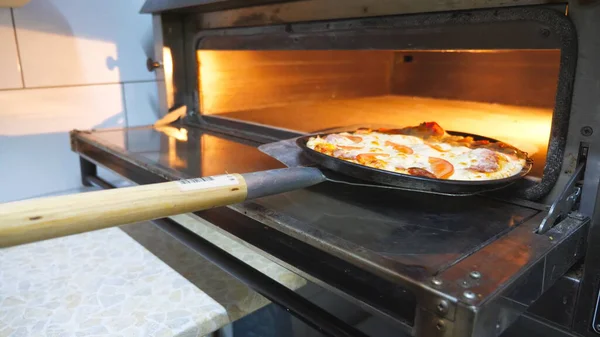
(564,203)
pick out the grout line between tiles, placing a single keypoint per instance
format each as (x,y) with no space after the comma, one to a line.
(14,25)
(80,85)
(124,105)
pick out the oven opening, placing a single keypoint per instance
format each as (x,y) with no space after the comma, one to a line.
(504,94)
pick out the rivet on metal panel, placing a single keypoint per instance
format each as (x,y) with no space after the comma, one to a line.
(442,307)
(475,275)
(469,295)
(440,325)
(587,131)
(436,282)
(545,32)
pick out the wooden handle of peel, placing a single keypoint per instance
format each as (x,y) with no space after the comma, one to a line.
(45,218)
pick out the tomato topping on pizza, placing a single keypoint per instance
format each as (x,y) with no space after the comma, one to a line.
(432,128)
(441,168)
(400,148)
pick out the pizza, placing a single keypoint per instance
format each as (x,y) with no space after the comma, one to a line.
(426,150)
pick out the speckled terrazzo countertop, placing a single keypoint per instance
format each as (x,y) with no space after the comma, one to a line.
(128,281)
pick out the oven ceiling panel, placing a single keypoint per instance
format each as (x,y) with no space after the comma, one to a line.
(311,10)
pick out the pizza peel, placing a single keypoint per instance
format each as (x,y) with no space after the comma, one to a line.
(51,217)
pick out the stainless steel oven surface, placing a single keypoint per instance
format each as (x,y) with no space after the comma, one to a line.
(518,261)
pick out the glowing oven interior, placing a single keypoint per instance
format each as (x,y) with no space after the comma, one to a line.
(508,95)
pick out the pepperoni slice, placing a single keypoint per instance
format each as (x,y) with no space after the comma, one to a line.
(441,168)
(400,148)
(417,171)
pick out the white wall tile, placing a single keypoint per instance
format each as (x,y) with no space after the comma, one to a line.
(36,165)
(141,102)
(35,154)
(66,42)
(50,110)
(10,70)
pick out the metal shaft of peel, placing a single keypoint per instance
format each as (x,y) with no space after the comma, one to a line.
(262,184)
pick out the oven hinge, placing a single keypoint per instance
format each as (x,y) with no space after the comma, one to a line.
(563,205)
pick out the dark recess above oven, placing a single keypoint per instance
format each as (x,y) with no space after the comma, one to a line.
(187,6)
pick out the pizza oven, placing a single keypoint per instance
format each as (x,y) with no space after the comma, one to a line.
(505,72)
(234,76)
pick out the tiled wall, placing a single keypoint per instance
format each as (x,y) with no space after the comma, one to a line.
(67,64)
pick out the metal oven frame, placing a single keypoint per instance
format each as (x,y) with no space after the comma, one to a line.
(504,28)
(458,302)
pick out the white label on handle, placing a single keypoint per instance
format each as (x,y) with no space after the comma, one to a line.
(207,182)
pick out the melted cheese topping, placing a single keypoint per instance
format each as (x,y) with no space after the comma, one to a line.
(418,156)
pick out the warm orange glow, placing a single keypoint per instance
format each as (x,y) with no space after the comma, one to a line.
(241,80)
(525,128)
(174,159)
(168,70)
(174,135)
(308,91)
(173,132)
(209,77)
